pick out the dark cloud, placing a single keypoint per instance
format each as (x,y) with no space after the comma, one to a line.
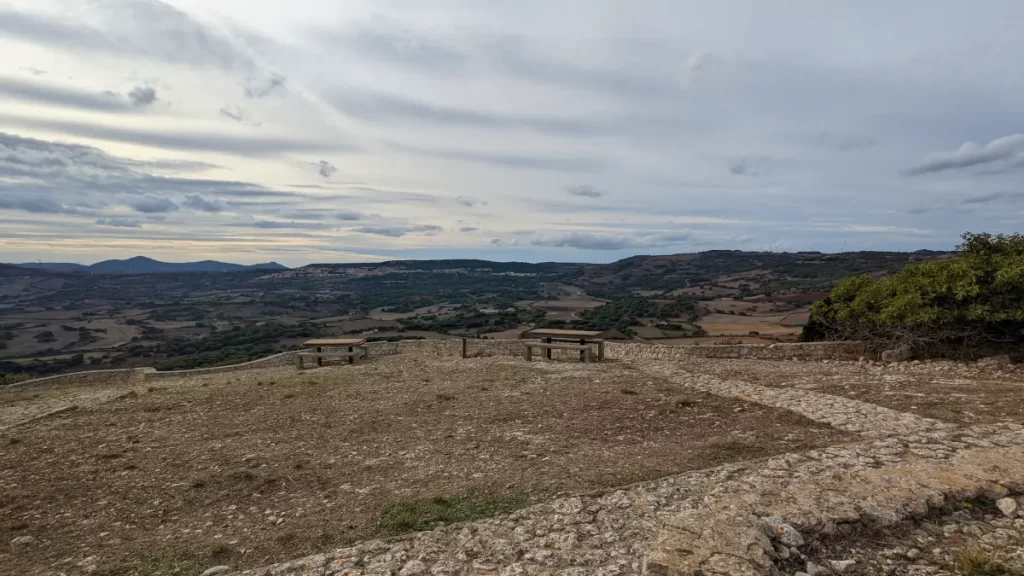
(200,203)
(347,216)
(141,96)
(584,190)
(62,96)
(37,204)
(192,141)
(153,205)
(119,223)
(399,231)
(257,88)
(468,229)
(994,197)
(325,168)
(547,163)
(606,241)
(970,154)
(240,115)
(403,110)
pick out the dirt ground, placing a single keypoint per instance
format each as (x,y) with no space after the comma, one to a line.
(942,391)
(735,325)
(253,467)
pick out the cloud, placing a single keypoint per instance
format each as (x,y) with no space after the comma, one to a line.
(281,225)
(607,241)
(970,154)
(469,201)
(378,107)
(153,205)
(994,197)
(257,88)
(399,231)
(37,205)
(325,168)
(199,203)
(142,96)
(33,71)
(180,140)
(545,163)
(584,191)
(61,96)
(141,29)
(468,229)
(347,216)
(387,42)
(119,223)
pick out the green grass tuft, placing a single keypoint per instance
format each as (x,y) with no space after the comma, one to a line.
(977,563)
(417,515)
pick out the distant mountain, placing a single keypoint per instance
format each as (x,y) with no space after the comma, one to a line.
(11,270)
(143,265)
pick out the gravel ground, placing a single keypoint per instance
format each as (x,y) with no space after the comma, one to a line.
(265,465)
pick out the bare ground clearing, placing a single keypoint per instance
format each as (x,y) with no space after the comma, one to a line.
(248,468)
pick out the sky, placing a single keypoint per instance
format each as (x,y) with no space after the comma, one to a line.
(307,131)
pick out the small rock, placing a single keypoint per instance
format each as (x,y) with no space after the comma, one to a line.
(216,570)
(782,532)
(781,551)
(1008,506)
(841,566)
(412,568)
(22,541)
(815,570)
(801,574)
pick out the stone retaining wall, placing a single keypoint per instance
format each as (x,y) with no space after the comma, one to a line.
(282,359)
(122,376)
(477,348)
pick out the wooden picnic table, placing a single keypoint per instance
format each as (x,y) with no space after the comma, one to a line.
(356,349)
(581,337)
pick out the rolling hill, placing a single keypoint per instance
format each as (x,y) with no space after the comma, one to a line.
(143,265)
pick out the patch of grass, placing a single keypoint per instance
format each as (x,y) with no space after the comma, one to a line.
(160,565)
(978,563)
(417,515)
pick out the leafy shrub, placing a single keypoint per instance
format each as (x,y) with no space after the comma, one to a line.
(966,302)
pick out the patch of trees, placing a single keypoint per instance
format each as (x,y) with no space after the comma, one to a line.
(38,367)
(951,307)
(45,337)
(626,311)
(234,346)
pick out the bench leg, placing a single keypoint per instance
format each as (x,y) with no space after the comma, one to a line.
(298,362)
(547,351)
(319,359)
(586,356)
(600,351)
(528,353)
(582,357)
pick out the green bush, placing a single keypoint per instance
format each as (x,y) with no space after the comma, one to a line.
(969,301)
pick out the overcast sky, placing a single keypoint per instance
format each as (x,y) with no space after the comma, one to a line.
(324,130)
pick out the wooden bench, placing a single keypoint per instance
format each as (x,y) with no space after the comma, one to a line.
(549,335)
(586,352)
(352,349)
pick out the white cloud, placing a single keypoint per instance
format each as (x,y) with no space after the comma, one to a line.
(971,154)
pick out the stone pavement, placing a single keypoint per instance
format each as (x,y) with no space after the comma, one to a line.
(737,520)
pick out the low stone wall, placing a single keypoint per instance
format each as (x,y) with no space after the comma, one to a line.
(813,351)
(122,376)
(480,348)
(282,359)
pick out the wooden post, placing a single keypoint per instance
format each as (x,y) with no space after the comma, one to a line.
(464,345)
(583,342)
(547,351)
(586,355)
(352,358)
(529,351)
(600,351)
(319,358)
(298,361)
